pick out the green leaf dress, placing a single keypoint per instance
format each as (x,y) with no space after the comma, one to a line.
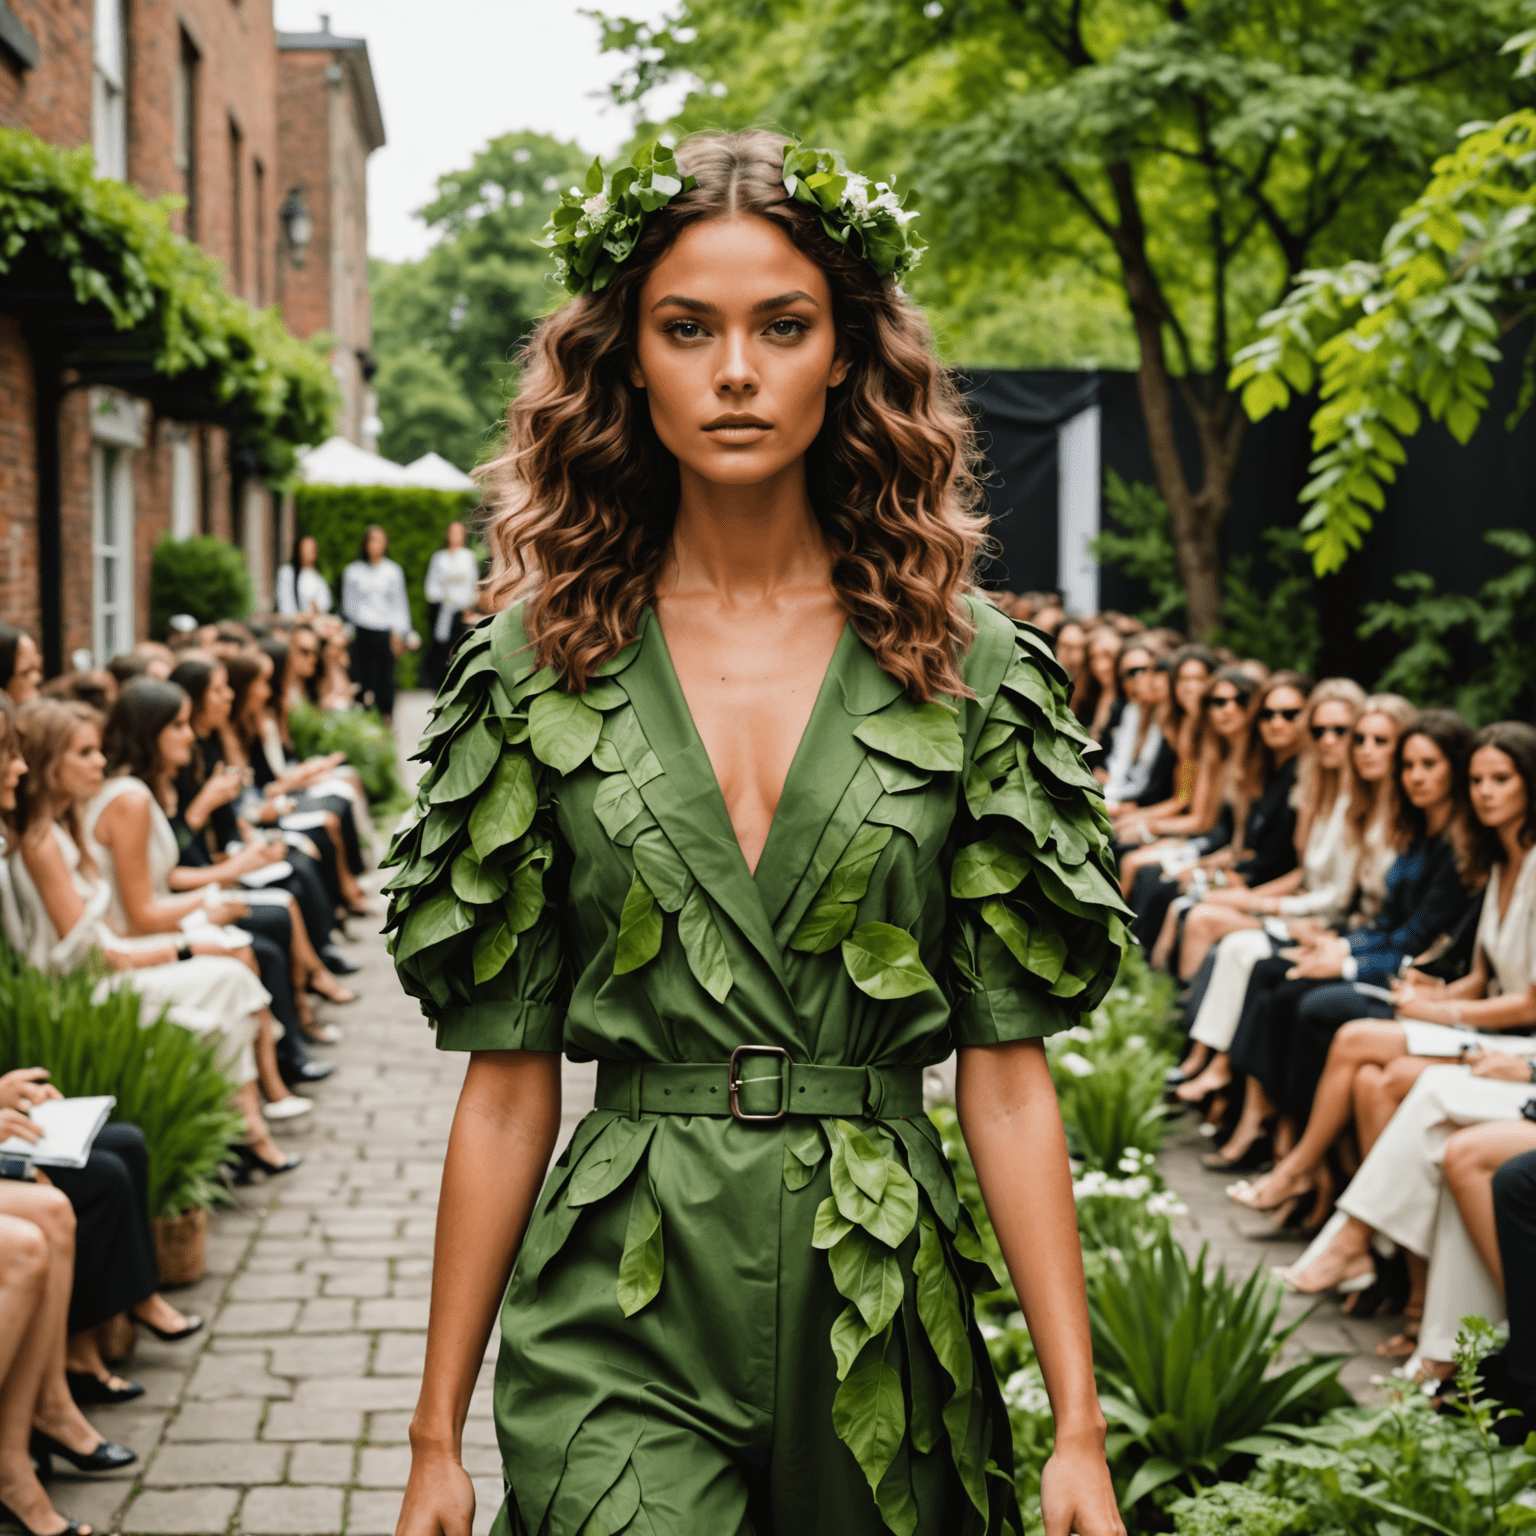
(744,1301)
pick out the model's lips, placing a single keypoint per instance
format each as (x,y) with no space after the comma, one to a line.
(730,425)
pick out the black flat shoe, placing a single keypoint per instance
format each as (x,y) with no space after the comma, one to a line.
(305,1072)
(336,962)
(169,1335)
(249,1162)
(89,1390)
(8,1516)
(108,1456)
(1259,1155)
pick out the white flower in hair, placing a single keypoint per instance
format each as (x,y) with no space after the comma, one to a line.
(595,207)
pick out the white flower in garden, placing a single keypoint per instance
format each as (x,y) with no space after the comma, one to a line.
(1135,1042)
(1130,1160)
(1077,1064)
(1025,1391)
(989,1331)
(1166,1203)
(1077,1032)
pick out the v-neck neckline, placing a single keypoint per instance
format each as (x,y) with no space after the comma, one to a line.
(825,691)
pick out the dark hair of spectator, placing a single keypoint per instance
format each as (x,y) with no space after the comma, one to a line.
(127,667)
(1262,760)
(1453,736)
(1175,663)
(1517,741)
(10,745)
(368,533)
(244,668)
(278,703)
(10,642)
(132,737)
(298,544)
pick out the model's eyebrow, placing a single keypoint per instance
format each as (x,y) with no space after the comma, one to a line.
(702,307)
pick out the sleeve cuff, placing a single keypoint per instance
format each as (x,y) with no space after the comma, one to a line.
(994,1018)
(496,1026)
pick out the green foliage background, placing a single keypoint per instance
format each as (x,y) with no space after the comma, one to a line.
(415,520)
(164,1077)
(202,576)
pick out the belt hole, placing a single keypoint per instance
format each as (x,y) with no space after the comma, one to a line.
(714,1090)
(668,1092)
(802,1090)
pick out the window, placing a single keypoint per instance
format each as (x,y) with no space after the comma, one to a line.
(184,129)
(186,510)
(236,211)
(109,87)
(259,230)
(112,563)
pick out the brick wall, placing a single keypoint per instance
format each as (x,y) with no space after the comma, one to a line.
(54,100)
(18,483)
(304,155)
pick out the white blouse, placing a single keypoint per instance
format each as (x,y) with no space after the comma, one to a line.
(1509,944)
(1329,865)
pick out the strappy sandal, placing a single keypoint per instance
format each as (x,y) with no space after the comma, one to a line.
(1404,1345)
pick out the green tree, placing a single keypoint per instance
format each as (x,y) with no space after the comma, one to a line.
(445,328)
(1193,159)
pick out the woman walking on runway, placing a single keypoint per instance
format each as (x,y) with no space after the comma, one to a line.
(744,793)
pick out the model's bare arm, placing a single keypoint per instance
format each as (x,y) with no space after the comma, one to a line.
(1012,1126)
(504,1131)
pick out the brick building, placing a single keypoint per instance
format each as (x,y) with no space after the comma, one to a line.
(195,98)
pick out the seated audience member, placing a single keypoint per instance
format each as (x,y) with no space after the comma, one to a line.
(1510,1375)
(1372,1061)
(1072,651)
(21,664)
(332,687)
(1189,668)
(65,904)
(1138,750)
(1370,830)
(1096,697)
(1262,845)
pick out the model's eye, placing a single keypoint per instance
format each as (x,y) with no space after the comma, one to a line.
(788,327)
(685,330)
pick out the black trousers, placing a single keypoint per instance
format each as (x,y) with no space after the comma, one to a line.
(373,669)
(307,887)
(1514,1209)
(115,1265)
(1151,896)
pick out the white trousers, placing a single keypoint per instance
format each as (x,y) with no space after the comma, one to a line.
(1400,1192)
(1222,1006)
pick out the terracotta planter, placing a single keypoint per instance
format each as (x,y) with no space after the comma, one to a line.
(181,1246)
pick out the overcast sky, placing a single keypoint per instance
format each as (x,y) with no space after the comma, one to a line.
(452,74)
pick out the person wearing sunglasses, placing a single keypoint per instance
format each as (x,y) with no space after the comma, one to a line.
(1140,763)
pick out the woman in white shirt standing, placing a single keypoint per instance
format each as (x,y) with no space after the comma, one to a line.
(374,602)
(300,586)
(453,583)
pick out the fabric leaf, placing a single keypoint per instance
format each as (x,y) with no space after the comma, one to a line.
(642,1262)
(639,929)
(796,1174)
(506,807)
(437,918)
(1036,944)
(444,823)
(849,1336)
(608,1161)
(605,756)
(869,1412)
(854,1204)
(704,946)
(562,730)
(525,900)
(884,962)
(663,868)
(867,1166)
(831,1225)
(896,1213)
(474,882)
(493,948)
(867,1275)
(925,735)
(978,790)
(616,803)
(470,760)
(825,925)
(849,879)
(984,869)
(604,696)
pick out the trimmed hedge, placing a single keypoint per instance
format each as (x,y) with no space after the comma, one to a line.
(202,576)
(416,522)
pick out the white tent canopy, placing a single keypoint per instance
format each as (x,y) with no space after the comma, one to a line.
(340,462)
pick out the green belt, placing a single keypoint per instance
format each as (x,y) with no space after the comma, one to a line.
(759,1084)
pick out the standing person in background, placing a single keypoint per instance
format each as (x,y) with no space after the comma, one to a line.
(373,601)
(453,584)
(300,586)
(21,664)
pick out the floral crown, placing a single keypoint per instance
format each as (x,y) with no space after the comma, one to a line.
(594,231)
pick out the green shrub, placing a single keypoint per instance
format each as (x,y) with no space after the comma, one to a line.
(165,1078)
(1110,1106)
(369,746)
(1183,1361)
(1233,1509)
(415,520)
(202,576)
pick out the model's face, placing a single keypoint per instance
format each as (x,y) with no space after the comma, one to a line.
(1280,720)
(1227,706)
(1426,773)
(27,676)
(1104,657)
(736,351)
(1190,684)
(309,552)
(1071,647)
(83,768)
(174,743)
(1331,724)
(217,697)
(11,770)
(1499,796)
(1372,743)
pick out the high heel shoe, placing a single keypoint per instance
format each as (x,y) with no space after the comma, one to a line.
(89,1390)
(249,1161)
(107,1456)
(10,1517)
(169,1335)
(1260,1151)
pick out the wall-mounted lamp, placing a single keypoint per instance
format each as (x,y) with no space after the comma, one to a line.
(298,225)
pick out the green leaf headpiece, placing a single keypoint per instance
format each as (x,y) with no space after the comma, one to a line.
(593,231)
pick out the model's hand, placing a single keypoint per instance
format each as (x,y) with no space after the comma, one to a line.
(1076,1495)
(439,1497)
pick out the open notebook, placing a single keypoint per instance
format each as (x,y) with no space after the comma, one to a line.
(69,1128)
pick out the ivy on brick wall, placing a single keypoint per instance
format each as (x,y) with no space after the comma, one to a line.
(163,299)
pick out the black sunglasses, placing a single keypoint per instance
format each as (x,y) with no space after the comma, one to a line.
(1279,714)
(1222,700)
(1320,731)
(1360,739)
(1131,672)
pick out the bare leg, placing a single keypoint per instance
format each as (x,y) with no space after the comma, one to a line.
(1216,1076)
(346,881)
(1199,1055)
(1348,1255)
(257,1137)
(1472,1156)
(40,1346)
(1167,936)
(271,1079)
(1250,1126)
(1205,925)
(1358,1044)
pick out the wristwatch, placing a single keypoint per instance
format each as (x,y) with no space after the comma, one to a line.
(183,949)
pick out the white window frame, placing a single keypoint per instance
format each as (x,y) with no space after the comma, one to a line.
(113,568)
(186,515)
(109,89)
(1077,510)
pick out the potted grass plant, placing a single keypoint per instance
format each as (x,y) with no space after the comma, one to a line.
(166,1080)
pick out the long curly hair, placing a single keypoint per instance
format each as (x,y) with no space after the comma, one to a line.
(584,495)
